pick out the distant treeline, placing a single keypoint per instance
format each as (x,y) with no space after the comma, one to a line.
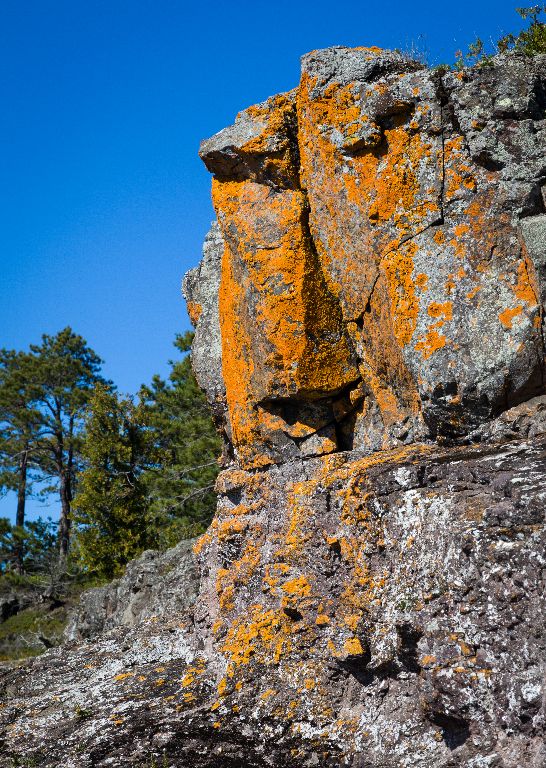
(129,473)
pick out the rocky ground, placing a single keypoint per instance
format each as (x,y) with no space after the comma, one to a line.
(369,332)
(31,620)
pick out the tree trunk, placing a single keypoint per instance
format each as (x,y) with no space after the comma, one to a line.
(21,500)
(65,521)
(22,490)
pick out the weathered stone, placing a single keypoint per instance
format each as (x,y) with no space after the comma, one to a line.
(200,288)
(373,584)
(386,610)
(397,228)
(155,584)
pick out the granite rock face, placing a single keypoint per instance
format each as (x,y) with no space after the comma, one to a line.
(369,332)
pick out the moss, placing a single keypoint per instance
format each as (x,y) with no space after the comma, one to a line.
(20,634)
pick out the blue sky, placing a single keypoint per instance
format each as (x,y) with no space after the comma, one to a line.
(104,202)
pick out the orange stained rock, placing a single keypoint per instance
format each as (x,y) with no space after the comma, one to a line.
(353,647)
(293,341)
(276,114)
(421,281)
(124,676)
(237,361)
(444,310)
(507,315)
(298,587)
(377,187)
(239,573)
(382,367)
(193,672)
(263,633)
(398,266)
(526,288)
(431,342)
(194,311)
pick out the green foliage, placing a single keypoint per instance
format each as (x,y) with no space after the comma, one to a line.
(111,505)
(530,41)
(131,475)
(180,485)
(33,545)
(19,430)
(43,396)
(82,713)
(23,634)
(150,469)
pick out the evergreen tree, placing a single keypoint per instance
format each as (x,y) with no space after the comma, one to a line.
(180,484)
(62,373)
(27,548)
(110,507)
(19,436)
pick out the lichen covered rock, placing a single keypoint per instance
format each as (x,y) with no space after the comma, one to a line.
(357,284)
(369,332)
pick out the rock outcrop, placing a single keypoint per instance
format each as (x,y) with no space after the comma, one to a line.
(153,585)
(369,332)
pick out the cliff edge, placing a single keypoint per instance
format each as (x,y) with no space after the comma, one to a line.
(369,332)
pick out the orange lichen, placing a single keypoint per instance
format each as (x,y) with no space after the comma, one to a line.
(381,195)
(398,266)
(526,288)
(298,587)
(353,647)
(441,310)
(322,620)
(201,543)
(124,675)
(421,281)
(193,672)
(431,342)
(238,574)
(262,633)
(507,315)
(194,311)
(301,346)
(275,117)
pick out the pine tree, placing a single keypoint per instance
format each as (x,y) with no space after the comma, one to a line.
(110,508)
(180,485)
(19,437)
(62,373)
(27,548)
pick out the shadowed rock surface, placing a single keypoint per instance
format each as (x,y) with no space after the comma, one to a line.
(369,331)
(155,584)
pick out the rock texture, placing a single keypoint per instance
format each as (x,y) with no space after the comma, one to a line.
(369,331)
(155,584)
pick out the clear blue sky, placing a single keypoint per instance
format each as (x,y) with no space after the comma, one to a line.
(104,202)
